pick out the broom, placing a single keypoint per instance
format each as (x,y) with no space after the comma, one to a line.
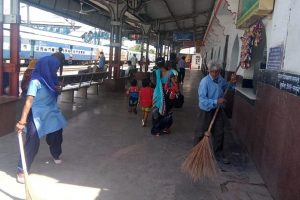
(28,190)
(201,162)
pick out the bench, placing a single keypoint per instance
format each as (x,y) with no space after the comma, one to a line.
(79,83)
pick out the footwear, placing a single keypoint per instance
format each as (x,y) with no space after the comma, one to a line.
(20,178)
(143,123)
(57,161)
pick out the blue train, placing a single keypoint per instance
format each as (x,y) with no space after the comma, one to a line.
(39,43)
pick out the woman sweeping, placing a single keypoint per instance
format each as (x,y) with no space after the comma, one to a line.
(41,115)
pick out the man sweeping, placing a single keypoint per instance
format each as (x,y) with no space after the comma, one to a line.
(211,92)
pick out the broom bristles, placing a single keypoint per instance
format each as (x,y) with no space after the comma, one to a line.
(28,189)
(200,162)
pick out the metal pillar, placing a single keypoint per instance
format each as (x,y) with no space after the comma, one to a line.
(14,50)
(1,47)
(111,51)
(147,53)
(142,53)
(117,11)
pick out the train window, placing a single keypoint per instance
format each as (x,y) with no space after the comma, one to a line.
(42,49)
(24,46)
(45,49)
(53,50)
(49,49)
(69,50)
(37,48)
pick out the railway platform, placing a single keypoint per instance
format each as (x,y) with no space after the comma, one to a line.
(108,155)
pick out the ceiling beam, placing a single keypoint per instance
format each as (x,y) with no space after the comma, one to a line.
(172,14)
(181,17)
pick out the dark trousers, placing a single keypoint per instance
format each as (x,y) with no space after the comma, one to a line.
(32,144)
(181,74)
(203,120)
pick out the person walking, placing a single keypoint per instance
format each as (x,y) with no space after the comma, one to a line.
(41,115)
(181,68)
(145,100)
(101,62)
(134,61)
(161,116)
(210,93)
(61,57)
(133,94)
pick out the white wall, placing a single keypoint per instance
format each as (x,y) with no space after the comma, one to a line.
(292,51)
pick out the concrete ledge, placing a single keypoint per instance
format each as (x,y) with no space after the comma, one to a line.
(93,90)
(67,96)
(115,84)
(141,75)
(8,107)
(82,93)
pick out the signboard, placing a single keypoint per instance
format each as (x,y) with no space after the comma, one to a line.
(134,36)
(183,36)
(289,82)
(275,58)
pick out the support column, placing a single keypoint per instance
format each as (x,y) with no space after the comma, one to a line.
(117,12)
(142,53)
(147,54)
(14,50)
(1,47)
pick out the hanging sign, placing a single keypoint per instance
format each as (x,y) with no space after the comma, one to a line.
(275,58)
(183,36)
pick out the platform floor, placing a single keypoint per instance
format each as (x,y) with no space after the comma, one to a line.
(107,155)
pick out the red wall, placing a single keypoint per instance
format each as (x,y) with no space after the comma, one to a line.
(270,129)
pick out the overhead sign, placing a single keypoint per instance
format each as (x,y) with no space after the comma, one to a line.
(183,36)
(134,36)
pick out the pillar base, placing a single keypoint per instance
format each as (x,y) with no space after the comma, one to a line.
(82,93)
(93,90)
(8,111)
(67,96)
(113,85)
(141,75)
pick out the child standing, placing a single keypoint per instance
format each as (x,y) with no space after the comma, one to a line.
(145,100)
(133,93)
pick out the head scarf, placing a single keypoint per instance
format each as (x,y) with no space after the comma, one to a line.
(45,71)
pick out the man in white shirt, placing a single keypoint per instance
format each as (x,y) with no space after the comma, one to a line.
(133,60)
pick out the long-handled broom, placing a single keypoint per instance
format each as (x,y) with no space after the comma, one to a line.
(201,162)
(28,189)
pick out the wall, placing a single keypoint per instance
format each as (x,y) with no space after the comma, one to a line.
(270,131)
(268,126)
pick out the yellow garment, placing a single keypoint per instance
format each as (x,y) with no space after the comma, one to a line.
(31,64)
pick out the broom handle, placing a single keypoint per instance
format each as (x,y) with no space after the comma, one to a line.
(218,108)
(21,145)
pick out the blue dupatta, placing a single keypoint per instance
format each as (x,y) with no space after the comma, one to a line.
(45,71)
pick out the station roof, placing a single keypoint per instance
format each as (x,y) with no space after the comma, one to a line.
(171,15)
